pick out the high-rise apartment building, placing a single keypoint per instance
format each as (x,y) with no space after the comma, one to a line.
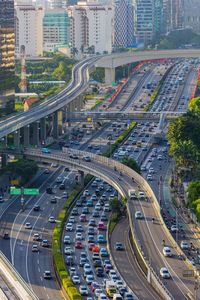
(7,58)
(173,14)
(158,18)
(57,4)
(191,15)
(29,29)
(55,30)
(91,26)
(123,23)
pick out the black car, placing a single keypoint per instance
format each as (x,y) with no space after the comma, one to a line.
(74,212)
(62,186)
(6,236)
(97,263)
(99,272)
(36,208)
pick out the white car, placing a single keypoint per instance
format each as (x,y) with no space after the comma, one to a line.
(68,250)
(28,225)
(174,228)
(167,251)
(119,284)
(79,236)
(151,170)
(98,292)
(149,177)
(35,248)
(83,290)
(164,273)
(184,245)
(69,227)
(59,180)
(102,297)
(141,195)
(72,219)
(76,279)
(52,219)
(138,215)
(72,271)
(36,237)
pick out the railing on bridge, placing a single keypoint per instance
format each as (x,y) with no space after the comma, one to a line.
(16,283)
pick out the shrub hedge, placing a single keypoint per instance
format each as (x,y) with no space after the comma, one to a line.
(59,262)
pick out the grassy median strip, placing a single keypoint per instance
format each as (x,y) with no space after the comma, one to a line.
(119,140)
(59,263)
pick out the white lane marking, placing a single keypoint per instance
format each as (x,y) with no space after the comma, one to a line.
(13,226)
(27,248)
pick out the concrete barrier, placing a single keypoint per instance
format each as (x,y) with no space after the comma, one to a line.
(18,285)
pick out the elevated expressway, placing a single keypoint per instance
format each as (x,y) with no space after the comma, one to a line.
(78,84)
(111,62)
(147,236)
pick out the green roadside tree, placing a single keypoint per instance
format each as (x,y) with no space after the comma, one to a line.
(115,205)
(193,191)
(131,163)
(23,168)
(194,105)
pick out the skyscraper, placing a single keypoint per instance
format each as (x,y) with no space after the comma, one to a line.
(123,23)
(29,29)
(144,19)
(7,56)
(55,29)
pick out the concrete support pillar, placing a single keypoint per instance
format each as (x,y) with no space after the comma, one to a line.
(109,75)
(43,131)
(36,140)
(69,109)
(4,158)
(81,178)
(55,125)
(17,138)
(60,121)
(26,134)
(4,141)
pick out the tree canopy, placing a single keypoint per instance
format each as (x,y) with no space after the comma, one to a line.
(184,139)
(131,163)
(23,168)
(179,38)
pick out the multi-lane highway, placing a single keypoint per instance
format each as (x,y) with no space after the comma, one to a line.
(98,145)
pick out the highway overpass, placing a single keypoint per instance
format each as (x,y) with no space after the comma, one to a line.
(110,62)
(19,124)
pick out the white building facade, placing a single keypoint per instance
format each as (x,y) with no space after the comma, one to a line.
(29,29)
(91,27)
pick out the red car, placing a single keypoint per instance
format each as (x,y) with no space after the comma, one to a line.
(78,245)
(91,245)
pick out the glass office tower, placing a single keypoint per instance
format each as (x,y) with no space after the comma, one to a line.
(7,56)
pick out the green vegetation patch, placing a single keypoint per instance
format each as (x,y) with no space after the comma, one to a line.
(60,267)
(22,168)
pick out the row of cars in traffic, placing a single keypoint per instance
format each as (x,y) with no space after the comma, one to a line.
(85,247)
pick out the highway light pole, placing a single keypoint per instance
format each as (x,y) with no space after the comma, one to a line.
(177,224)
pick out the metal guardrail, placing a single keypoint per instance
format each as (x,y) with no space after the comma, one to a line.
(30,295)
(64,157)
